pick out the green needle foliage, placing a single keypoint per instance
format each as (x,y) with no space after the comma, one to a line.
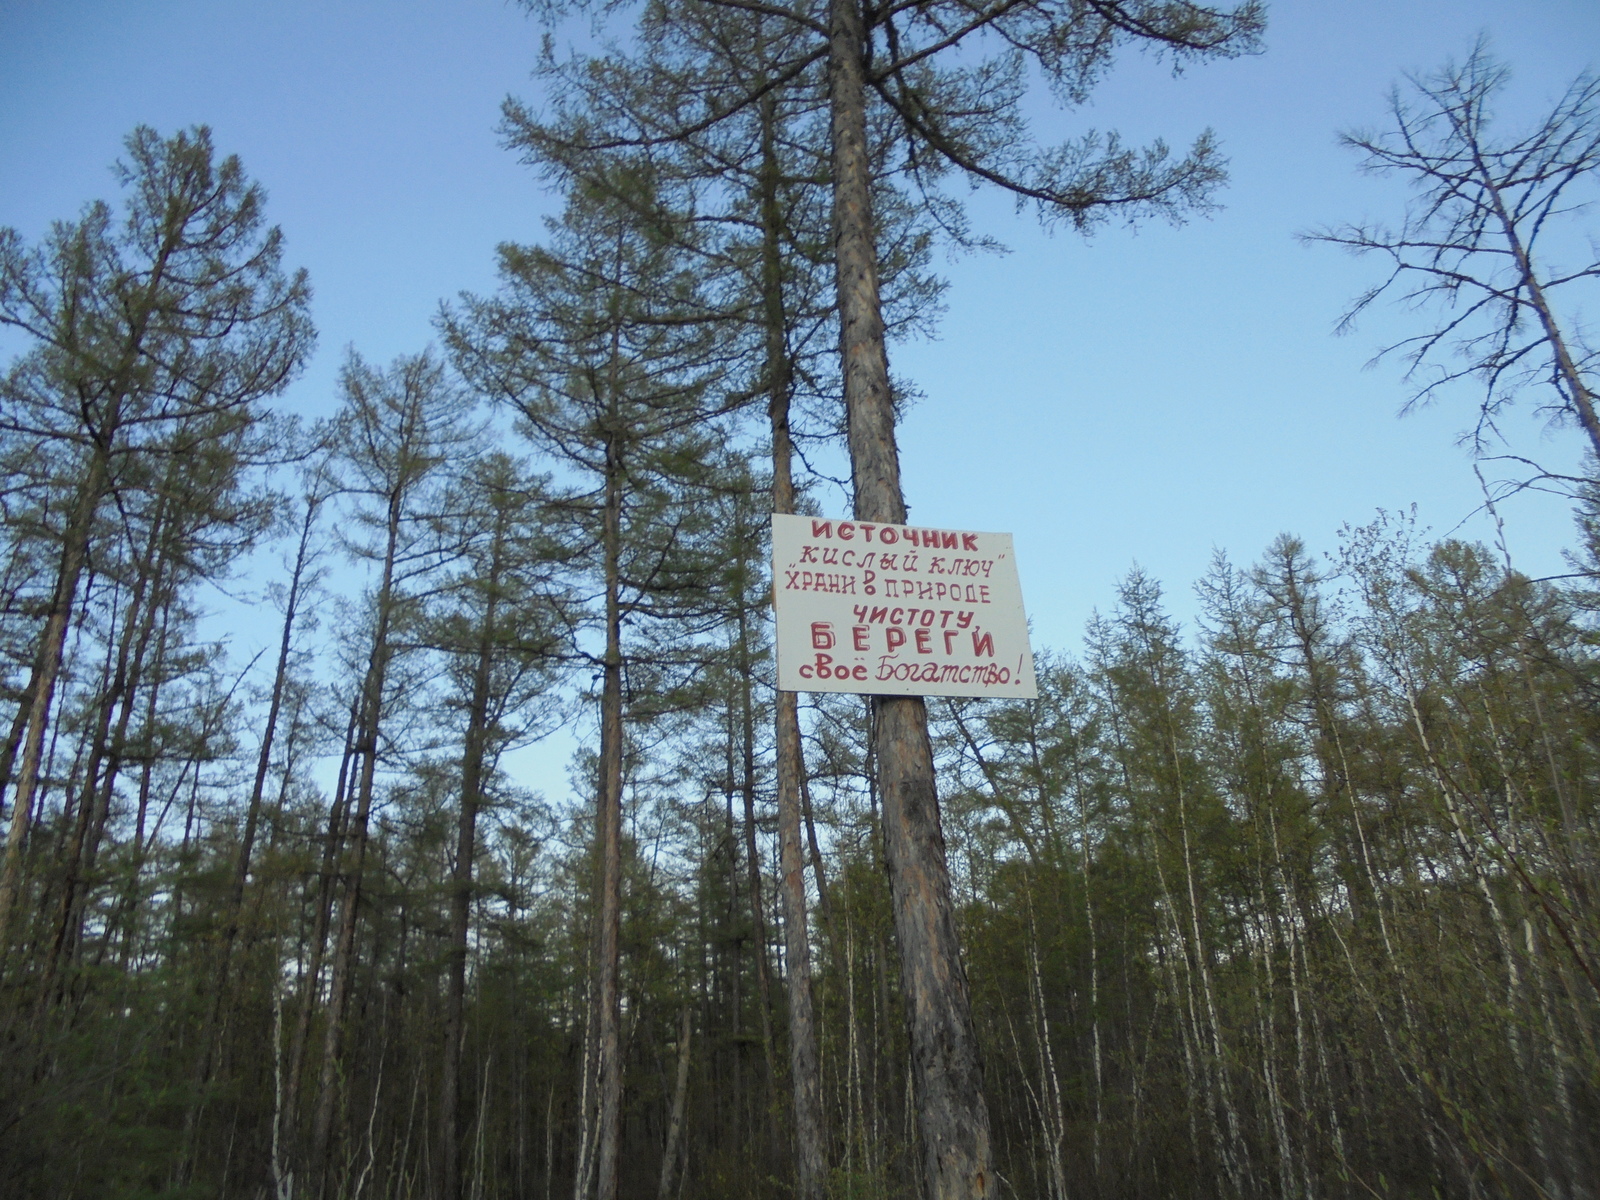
(1300,902)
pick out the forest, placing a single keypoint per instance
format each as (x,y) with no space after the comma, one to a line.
(1300,901)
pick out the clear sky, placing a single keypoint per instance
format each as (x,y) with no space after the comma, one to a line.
(1141,397)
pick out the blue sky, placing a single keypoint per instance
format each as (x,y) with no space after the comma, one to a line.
(1139,397)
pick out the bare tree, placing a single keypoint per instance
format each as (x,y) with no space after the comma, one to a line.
(1472,239)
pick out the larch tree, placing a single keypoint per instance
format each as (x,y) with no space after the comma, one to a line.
(599,347)
(184,513)
(497,619)
(396,430)
(144,335)
(942,86)
(755,184)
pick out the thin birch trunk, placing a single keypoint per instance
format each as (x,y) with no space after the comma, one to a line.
(1053,1117)
(583,1166)
(282,1180)
(1094,977)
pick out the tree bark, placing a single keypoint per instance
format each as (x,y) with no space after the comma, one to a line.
(280,679)
(46,670)
(366,749)
(473,754)
(954,1119)
(680,1094)
(811,1162)
(758,915)
(610,831)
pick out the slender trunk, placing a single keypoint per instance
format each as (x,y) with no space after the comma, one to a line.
(163,557)
(610,830)
(1567,369)
(1235,1158)
(472,765)
(1053,1116)
(583,1167)
(852,1080)
(322,923)
(280,678)
(105,746)
(366,752)
(1094,974)
(1000,795)
(8,753)
(282,1180)
(734,944)
(680,1093)
(811,1162)
(819,869)
(340,981)
(944,1054)
(126,917)
(1360,885)
(40,694)
(758,916)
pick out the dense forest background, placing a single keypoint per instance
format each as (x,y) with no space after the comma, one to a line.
(1298,902)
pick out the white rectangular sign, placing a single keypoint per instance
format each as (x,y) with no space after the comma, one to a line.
(898,610)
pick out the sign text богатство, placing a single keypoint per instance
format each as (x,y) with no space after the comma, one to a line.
(898,610)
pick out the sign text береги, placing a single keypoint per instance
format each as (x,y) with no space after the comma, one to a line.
(898,610)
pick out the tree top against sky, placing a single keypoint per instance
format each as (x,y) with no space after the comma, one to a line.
(1082,371)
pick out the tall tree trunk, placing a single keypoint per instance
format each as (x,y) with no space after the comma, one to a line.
(680,1093)
(1568,369)
(811,1163)
(734,945)
(819,869)
(40,693)
(8,753)
(102,436)
(472,762)
(610,832)
(322,923)
(107,745)
(280,679)
(954,1119)
(214,1031)
(366,752)
(126,918)
(758,915)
